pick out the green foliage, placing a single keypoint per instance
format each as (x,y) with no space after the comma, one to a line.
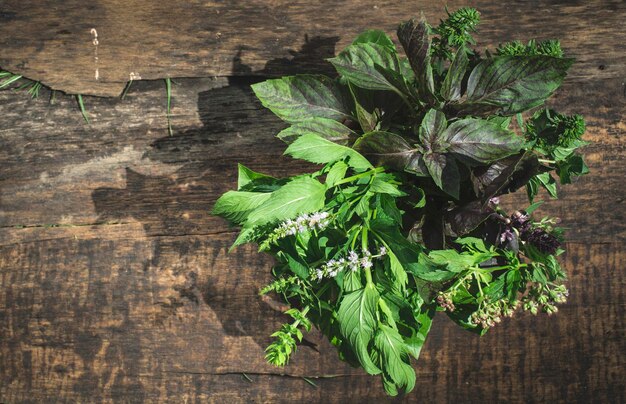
(549,47)
(17,82)
(402,219)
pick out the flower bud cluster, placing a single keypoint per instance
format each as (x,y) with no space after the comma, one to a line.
(545,298)
(491,313)
(444,299)
(353,262)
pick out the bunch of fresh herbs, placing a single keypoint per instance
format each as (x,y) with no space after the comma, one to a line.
(403,218)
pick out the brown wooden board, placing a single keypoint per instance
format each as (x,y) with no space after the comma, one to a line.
(115,283)
(53,41)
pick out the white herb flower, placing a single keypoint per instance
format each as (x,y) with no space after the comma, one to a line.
(366,262)
(382,251)
(353,257)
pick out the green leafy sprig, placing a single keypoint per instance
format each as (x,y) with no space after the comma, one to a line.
(402,219)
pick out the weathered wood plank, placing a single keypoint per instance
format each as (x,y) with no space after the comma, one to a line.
(114,278)
(163,317)
(53,41)
(57,170)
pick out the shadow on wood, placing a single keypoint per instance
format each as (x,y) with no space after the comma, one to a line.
(195,149)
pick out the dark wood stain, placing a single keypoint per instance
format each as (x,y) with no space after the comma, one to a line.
(115,282)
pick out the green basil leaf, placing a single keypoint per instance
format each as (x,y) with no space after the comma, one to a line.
(327,128)
(297,98)
(377,37)
(512,84)
(357,63)
(357,322)
(393,151)
(318,150)
(452,84)
(481,140)
(572,166)
(549,183)
(532,188)
(302,195)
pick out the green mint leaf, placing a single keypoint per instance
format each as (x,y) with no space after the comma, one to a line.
(357,322)
(481,140)
(472,243)
(296,265)
(246,177)
(395,358)
(452,260)
(336,173)
(318,150)
(302,195)
(452,84)
(416,341)
(236,205)
(512,84)
(428,270)
(297,98)
(357,63)
(327,128)
(393,151)
(416,43)
(398,271)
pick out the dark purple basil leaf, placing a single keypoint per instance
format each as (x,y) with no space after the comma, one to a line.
(504,176)
(397,82)
(466,218)
(431,128)
(444,171)
(357,63)
(367,120)
(511,84)
(480,140)
(416,43)
(298,98)
(393,151)
(452,84)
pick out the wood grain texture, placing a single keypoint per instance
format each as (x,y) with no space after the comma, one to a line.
(115,284)
(53,41)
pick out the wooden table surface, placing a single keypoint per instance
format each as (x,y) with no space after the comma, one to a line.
(115,281)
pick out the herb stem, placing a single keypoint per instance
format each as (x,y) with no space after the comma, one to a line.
(361,175)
